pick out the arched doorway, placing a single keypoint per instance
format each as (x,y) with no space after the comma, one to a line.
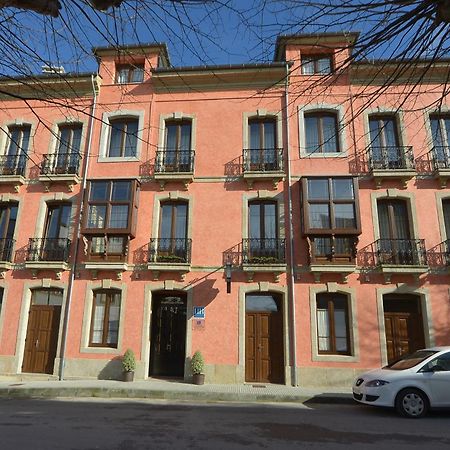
(168,334)
(42,331)
(264,350)
(403,325)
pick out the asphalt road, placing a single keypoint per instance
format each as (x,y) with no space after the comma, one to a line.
(72,424)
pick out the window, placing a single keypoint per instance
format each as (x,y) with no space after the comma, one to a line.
(332,324)
(111,206)
(123,137)
(1,299)
(8,217)
(130,73)
(316,64)
(321,132)
(440,130)
(105,318)
(16,150)
(69,143)
(446,211)
(47,297)
(263,144)
(177,153)
(108,248)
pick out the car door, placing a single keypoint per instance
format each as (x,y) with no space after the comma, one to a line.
(437,377)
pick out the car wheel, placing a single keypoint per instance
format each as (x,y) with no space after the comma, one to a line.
(411,403)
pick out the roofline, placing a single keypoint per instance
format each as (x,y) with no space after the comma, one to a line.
(48,76)
(271,65)
(133,49)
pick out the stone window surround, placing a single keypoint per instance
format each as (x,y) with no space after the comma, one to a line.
(163,118)
(440,197)
(149,290)
(319,108)
(400,288)
(262,114)
(17,122)
(92,286)
(69,120)
(28,287)
(105,134)
(395,194)
(350,293)
(263,288)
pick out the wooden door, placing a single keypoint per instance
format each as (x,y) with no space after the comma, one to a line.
(264,358)
(42,339)
(404,329)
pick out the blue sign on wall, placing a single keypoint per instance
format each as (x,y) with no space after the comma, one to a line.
(199,312)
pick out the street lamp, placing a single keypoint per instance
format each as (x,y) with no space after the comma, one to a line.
(228,276)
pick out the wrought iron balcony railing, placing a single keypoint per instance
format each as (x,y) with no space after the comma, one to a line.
(174,161)
(265,251)
(170,250)
(400,252)
(6,249)
(13,164)
(440,157)
(263,159)
(43,249)
(61,164)
(391,158)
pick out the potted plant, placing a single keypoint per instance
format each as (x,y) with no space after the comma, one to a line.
(197,365)
(128,365)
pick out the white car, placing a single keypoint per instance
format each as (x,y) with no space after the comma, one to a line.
(411,385)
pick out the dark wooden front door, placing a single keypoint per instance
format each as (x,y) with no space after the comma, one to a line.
(42,339)
(404,327)
(168,336)
(264,356)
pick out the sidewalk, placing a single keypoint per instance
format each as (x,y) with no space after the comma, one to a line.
(171,390)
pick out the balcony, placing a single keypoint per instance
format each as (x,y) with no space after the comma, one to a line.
(440,161)
(106,253)
(332,254)
(60,167)
(400,256)
(438,257)
(392,163)
(12,170)
(263,164)
(263,255)
(6,253)
(169,255)
(174,165)
(48,254)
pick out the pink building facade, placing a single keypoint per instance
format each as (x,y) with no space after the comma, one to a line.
(127,197)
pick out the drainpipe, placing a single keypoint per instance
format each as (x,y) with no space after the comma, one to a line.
(291,267)
(77,235)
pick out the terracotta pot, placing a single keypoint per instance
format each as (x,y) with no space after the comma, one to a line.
(128,376)
(198,378)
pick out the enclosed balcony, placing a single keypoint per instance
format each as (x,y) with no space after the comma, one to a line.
(12,170)
(174,165)
(45,253)
(61,167)
(392,163)
(169,255)
(263,255)
(400,256)
(263,164)
(440,162)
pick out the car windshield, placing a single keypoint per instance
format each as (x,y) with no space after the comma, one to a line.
(411,360)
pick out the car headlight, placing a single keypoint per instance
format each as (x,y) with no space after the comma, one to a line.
(376,383)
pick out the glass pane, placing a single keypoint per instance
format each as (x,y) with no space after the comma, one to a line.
(255,221)
(383,220)
(318,189)
(436,132)
(343,188)
(166,222)
(446,209)
(121,191)
(319,216)
(185,144)
(40,297)
(131,138)
(76,139)
(97,245)
(14,141)
(270,221)
(64,140)
(390,133)
(329,134)
(322,246)
(115,245)
(269,135)
(340,329)
(137,75)
(113,323)
(375,135)
(312,134)
(171,137)
(255,139)
(119,216)
(343,246)
(307,66)
(122,75)
(324,65)
(180,232)
(401,223)
(344,215)
(99,190)
(323,328)
(98,319)
(97,216)
(116,138)
(55,298)
(256,303)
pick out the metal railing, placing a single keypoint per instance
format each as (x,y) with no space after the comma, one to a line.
(61,164)
(263,251)
(169,250)
(13,164)
(391,158)
(401,252)
(174,161)
(44,249)
(440,157)
(263,159)
(6,249)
